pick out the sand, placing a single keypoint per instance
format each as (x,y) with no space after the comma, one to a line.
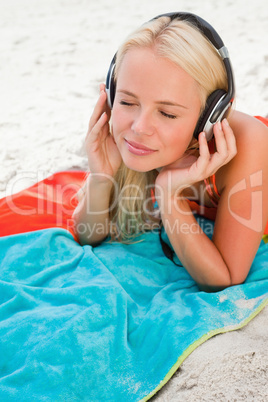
(54,55)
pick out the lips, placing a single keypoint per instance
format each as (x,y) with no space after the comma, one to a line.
(138,149)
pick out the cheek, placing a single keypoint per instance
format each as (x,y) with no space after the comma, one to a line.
(182,138)
(175,145)
(118,122)
(178,144)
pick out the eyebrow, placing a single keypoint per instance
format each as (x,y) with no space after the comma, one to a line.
(163,102)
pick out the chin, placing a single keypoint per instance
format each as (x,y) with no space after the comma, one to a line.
(139,166)
(139,169)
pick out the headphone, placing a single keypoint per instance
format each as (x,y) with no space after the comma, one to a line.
(219,101)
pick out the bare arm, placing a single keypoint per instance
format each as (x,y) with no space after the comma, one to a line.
(226,259)
(91,217)
(194,249)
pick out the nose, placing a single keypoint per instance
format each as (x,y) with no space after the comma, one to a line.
(143,123)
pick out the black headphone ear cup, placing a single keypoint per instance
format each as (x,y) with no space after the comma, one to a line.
(212,101)
(110,83)
(112,91)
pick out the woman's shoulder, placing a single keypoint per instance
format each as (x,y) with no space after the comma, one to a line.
(247,129)
(251,139)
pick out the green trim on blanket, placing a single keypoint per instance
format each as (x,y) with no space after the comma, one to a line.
(265,238)
(204,338)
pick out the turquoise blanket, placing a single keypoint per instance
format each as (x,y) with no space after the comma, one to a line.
(110,323)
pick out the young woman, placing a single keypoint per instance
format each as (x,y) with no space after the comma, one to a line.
(145,163)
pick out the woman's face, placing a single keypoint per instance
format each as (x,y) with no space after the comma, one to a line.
(155,110)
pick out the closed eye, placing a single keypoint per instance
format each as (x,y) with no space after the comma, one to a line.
(170,116)
(124,103)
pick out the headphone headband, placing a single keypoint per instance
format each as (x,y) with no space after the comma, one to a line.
(219,101)
(200,23)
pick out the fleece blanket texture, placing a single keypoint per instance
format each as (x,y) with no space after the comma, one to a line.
(109,323)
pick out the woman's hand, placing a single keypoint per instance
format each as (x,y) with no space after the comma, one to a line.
(104,158)
(190,170)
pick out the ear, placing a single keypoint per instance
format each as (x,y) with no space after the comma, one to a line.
(213,102)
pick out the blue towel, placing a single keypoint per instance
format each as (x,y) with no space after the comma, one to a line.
(110,323)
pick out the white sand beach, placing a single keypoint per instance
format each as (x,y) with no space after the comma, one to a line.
(54,55)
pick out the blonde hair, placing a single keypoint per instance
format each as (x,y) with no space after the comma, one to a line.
(183,44)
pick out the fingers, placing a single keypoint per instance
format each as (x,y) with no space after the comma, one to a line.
(225,142)
(230,139)
(94,132)
(102,87)
(204,154)
(107,108)
(208,163)
(98,109)
(221,144)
